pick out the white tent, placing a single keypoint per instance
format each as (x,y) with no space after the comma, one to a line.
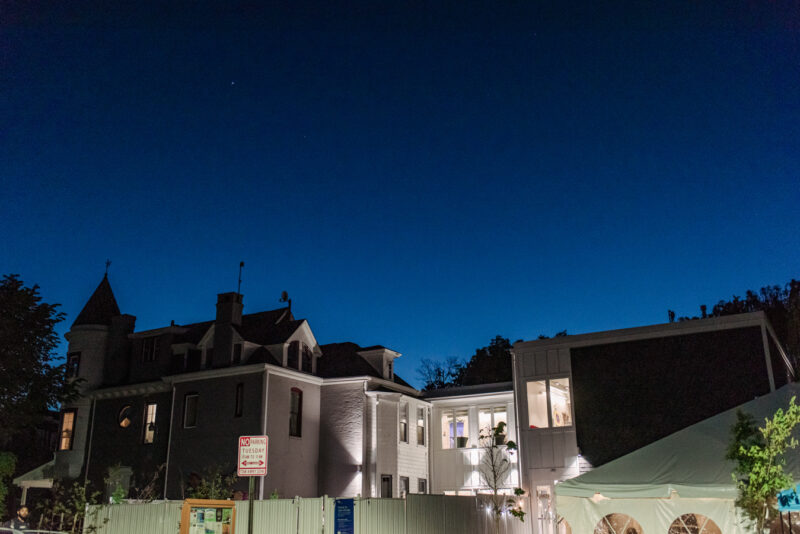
(657,485)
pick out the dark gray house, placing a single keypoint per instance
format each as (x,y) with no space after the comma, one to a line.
(168,404)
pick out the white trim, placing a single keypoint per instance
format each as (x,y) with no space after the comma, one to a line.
(767,357)
(780,348)
(129,390)
(208,374)
(264,401)
(294,374)
(476,396)
(679,328)
(91,437)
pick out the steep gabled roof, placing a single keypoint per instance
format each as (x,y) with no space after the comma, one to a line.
(263,328)
(269,327)
(100,308)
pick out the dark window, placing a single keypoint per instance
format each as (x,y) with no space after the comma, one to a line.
(209,357)
(422,486)
(190,402)
(294,355)
(73,364)
(239,400)
(149,349)
(405,486)
(237,353)
(307,358)
(420,426)
(67,430)
(390,371)
(194,360)
(296,413)
(386,486)
(124,416)
(150,411)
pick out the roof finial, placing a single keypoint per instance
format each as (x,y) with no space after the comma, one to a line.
(239,287)
(108,264)
(285,298)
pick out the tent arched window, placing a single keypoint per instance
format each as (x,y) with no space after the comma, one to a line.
(694,524)
(618,524)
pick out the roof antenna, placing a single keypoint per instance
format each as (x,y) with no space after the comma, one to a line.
(285,298)
(108,264)
(239,287)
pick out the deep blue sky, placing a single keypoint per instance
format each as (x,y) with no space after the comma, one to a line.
(418,175)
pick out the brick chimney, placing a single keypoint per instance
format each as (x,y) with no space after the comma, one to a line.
(229,313)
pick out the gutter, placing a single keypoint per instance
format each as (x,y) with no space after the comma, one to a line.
(169,440)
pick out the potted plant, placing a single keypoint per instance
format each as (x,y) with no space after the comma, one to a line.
(499,433)
(462,441)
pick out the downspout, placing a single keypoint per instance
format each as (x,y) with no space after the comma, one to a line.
(518,425)
(91,435)
(264,398)
(169,440)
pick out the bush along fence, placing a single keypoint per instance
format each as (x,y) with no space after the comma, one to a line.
(417,514)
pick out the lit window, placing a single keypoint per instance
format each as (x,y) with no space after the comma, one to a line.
(307,359)
(296,413)
(549,403)
(293,356)
(420,426)
(67,430)
(489,418)
(404,422)
(537,404)
(239,400)
(190,402)
(560,405)
(73,364)
(150,422)
(455,429)
(149,349)
(124,416)
(422,485)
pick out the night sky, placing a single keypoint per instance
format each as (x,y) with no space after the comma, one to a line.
(422,175)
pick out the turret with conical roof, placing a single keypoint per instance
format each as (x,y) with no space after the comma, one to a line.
(98,333)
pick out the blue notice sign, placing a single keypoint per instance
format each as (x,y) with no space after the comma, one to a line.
(343,513)
(788,500)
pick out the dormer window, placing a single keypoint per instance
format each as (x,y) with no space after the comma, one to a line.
(390,370)
(293,356)
(237,353)
(149,349)
(307,359)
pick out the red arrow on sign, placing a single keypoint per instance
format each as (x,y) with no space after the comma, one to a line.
(260,462)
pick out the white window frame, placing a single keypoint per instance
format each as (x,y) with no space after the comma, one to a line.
(550,424)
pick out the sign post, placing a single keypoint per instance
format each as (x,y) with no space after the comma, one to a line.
(252,462)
